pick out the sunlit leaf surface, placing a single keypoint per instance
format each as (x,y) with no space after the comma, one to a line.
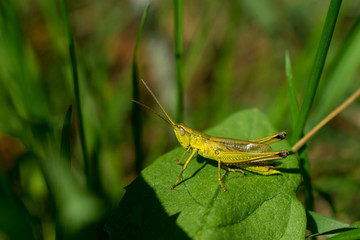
(254,207)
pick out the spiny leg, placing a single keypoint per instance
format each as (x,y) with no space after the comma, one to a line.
(184,167)
(271,139)
(274,156)
(234,158)
(219,176)
(179,161)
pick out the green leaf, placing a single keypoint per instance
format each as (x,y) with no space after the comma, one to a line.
(331,228)
(254,207)
(318,223)
(353,234)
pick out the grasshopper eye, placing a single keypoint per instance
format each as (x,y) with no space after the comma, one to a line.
(181,131)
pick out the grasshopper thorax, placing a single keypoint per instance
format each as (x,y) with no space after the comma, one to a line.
(183,134)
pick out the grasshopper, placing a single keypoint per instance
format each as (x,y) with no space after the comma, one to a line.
(251,155)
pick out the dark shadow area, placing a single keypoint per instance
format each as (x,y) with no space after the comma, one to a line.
(15,220)
(211,162)
(311,223)
(291,153)
(140,215)
(335,231)
(193,175)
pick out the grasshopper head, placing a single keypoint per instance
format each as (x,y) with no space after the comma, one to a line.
(182,133)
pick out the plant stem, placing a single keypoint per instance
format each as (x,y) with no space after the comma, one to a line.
(178,28)
(303,140)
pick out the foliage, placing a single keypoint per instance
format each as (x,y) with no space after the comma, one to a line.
(199,209)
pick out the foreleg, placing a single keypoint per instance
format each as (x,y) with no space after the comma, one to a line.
(183,169)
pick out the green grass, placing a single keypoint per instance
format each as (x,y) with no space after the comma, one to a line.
(75,78)
(293,102)
(317,69)
(137,125)
(64,171)
(179,69)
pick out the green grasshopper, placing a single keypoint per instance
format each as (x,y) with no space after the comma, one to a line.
(251,155)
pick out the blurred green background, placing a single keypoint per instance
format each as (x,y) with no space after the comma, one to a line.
(233,60)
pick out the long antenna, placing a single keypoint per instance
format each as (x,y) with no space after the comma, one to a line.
(152,110)
(157,101)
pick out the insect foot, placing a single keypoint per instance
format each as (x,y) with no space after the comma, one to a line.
(283,154)
(281,135)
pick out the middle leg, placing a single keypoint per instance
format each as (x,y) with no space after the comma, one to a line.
(219,176)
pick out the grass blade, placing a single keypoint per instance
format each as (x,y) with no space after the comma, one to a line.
(341,77)
(179,72)
(135,112)
(294,106)
(315,75)
(65,135)
(76,89)
(317,68)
